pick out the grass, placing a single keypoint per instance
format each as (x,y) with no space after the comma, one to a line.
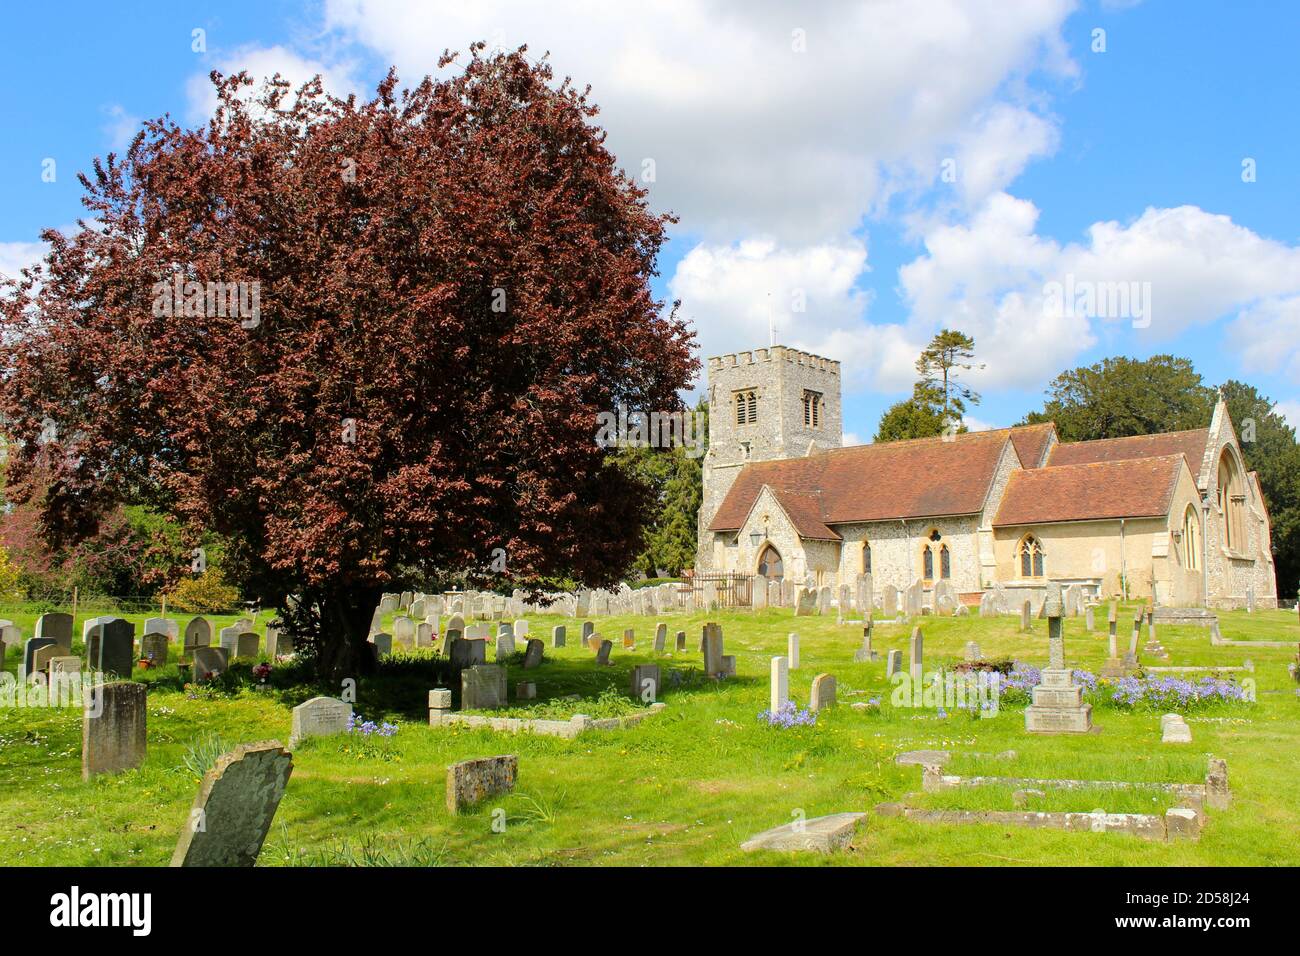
(685,787)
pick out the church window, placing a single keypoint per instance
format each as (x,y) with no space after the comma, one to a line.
(1031,557)
(934,547)
(812,409)
(1191,539)
(1231,502)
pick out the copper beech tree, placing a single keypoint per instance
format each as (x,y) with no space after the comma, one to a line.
(358,340)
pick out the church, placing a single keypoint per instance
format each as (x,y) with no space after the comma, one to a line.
(1172,518)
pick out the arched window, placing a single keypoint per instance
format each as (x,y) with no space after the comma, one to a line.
(746,407)
(934,546)
(1191,539)
(1031,557)
(769,564)
(1231,499)
(866,557)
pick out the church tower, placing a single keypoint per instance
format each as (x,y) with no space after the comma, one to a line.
(764,404)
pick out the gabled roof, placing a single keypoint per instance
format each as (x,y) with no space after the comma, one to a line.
(1031,441)
(924,477)
(804,510)
(1189,444)
(1091,491)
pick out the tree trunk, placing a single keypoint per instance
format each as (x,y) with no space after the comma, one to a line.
(345,627)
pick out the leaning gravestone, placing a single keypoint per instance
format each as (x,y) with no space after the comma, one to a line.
(237,801)
(56,625)
(116,648)
(893,663)
(533,653)
(88,627)
(162,625)
(603,648)
(30,648)
(113,733)
(472,781)
(805,602)
(319,717)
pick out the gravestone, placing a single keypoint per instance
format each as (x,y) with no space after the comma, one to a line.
(30,648)
(780,684)
(1131,658)
(557,635)
(661,637)
(88,626)
(823,693)
(588,629)
(419,608)
(525,690)
(1217,794)
(467,653)
(1089,619)
(505,644)
(865,654)
(198,633)
(945,597)
(889,601)
(774,598)
(247,645)
(1026,616)
(533,653)
(383,644)
(792,650)
(319,717)
(629,639)
(521,628)
(473,781)
(154,647)
(236,803)
(972,651)
(1174,730)
(456,623)
(228,637)
(915,655)
(483,687)
(41,659)
(603,647)
(1058,705)
(681,641)
(116,648)
(805,603)
(646,683)
(113,728)
(1114,666)
(758,592)
(824,598)
(988,604)
(711,645)
(893,663)
(210,662)
(864,595)
(404,631)
(424,634)
(58,626)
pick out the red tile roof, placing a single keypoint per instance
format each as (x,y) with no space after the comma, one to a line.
(1128,488)
(924,477)
(805,510)
(1189,444)
(1031,442)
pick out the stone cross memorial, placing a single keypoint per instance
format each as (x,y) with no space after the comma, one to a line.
(1058,706)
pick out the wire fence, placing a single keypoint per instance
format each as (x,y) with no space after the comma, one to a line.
(95,604)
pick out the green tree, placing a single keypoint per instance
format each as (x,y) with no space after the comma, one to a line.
(921,416)
(949,353)
(1118,397)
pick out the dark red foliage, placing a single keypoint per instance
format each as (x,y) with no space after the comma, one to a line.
(378,233)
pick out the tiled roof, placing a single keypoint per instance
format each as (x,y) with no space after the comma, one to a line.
(1189,444)
(1031,442)
(805,509)
(1129,488)
(924,477)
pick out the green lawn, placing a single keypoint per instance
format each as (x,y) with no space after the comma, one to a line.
(687,786)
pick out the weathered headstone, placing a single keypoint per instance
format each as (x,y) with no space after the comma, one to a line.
(58,626)
(1174,730)
(805,602)
(466,653)
(30,648)
(505,644)
(198,633)
(113,728)
(236,803)
(603,647)
(1026,616)
(661,637)
(889,601)
(533,653)
(792,650)
(711,644)
(823,693)
(893,663)
(629,639)
(1089,619)
(247,645)
(383,644)
(153,647)
(780,684)
(210,662)
(646,683)
(319,717)
(681,641)
(483,687)
(163,625)
(423,634)
(472,781)
(588,629)
(916,655)
(557,635)
(404,631)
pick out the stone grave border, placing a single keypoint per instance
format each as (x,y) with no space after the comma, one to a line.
(567,729)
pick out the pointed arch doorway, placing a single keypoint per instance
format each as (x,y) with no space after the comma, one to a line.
(770,564)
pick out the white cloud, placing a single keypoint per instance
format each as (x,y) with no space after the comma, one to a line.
(262,63)
(1267,336)
(120,126)
(1290,411)
(16,256)
(750,137)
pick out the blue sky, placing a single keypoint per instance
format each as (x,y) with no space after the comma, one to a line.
(818,172)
